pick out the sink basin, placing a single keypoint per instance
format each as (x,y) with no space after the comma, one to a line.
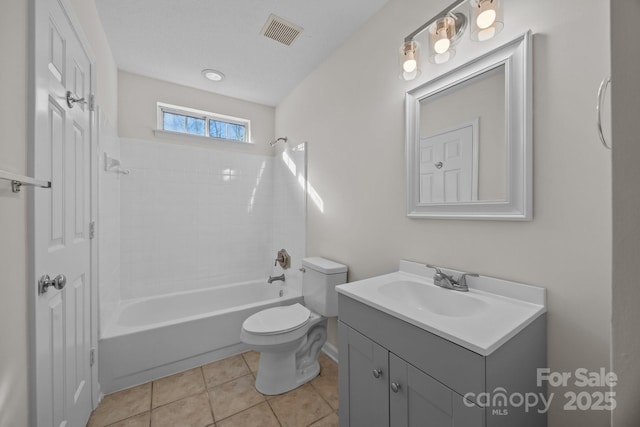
(423,297)
(481,320)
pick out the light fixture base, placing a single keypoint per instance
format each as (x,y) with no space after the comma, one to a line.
(460,23)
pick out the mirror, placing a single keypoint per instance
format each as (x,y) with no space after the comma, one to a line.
(469,139)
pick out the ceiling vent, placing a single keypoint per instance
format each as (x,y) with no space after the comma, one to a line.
(280,30)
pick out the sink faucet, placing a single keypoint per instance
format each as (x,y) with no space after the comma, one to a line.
(447,281)
(272,279)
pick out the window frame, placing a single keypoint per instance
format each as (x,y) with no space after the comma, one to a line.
(207,116)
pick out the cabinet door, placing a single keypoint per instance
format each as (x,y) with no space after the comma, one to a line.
(416,399)
(363,382)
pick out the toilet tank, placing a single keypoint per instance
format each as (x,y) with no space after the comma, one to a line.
(319,284)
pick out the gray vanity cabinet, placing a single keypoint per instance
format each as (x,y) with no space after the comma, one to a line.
(416,397)
(393,373)
(366,378)
(384,390)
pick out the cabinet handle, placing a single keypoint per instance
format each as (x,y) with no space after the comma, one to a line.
(377,373)
(395,387)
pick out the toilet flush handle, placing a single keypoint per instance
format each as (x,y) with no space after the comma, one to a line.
(304,270)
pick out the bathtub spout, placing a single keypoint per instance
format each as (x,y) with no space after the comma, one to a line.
(274,278)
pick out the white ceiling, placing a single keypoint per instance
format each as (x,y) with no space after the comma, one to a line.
(174,40)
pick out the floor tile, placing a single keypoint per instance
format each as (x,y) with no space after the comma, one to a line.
(327,387)
(178,386)
(300,407)
(327,365)
(141,420)
(193,411)
(259,416)
(224,370)
(234,396)
(121,405)
(253,359)
(329,421)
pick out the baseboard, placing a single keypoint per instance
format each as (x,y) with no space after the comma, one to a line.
(331,351)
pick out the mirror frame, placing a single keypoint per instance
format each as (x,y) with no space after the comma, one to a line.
(515,56)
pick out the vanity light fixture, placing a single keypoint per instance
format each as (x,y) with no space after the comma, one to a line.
(213,75)
(445,30)
(443,35)
(410,60)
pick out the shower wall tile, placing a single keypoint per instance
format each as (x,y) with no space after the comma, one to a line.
(193,217)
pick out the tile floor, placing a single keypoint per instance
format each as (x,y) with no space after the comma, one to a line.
(222,394)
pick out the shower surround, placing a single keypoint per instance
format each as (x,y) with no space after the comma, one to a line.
(198,218)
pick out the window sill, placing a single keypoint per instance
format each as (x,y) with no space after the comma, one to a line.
(179,135)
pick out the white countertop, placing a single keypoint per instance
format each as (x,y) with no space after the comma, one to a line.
(481,320)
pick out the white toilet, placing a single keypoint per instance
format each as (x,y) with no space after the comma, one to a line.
(289,338)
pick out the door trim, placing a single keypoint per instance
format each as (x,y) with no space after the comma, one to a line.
(32,294)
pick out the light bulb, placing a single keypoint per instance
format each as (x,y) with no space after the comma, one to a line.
(486,18)
(409,65)
(442,41)
(409,57)
(486,14)
(442,45)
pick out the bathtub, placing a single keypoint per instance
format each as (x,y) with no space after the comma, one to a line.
(159,336)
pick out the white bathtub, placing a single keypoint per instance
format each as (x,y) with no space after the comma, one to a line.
(154,337)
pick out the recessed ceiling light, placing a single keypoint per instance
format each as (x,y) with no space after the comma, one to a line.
(213,75)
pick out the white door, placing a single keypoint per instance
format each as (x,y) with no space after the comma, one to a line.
(448,166)
(61,242)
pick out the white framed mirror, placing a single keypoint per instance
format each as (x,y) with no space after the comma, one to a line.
(468,139)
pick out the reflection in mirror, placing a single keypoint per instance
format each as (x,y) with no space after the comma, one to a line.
(468,139)
(463,153)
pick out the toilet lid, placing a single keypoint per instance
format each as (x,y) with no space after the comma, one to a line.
(277,320)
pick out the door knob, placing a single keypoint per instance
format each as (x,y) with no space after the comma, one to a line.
(395,387)
(377,373)
(45,281)
(438,165)
(72,100)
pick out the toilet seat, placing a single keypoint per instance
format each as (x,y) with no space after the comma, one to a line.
(277,320)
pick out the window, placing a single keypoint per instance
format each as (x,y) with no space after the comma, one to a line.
(195,122)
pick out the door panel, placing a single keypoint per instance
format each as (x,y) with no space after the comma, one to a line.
(447,167)
(60,215)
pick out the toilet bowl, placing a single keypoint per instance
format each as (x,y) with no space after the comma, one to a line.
(289,338)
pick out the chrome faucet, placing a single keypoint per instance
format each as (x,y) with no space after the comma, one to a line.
(447,281)
(274,278)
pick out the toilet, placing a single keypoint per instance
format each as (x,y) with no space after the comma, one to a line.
(289,338)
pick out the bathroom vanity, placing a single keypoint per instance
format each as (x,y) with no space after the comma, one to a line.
(414,354)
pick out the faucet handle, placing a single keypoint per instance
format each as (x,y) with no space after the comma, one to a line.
(437,269)
(462,280)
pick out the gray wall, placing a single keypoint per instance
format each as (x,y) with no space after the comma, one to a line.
(625,91)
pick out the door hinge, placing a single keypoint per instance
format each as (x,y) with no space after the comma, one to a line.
(92,357)
(92,230)
(92,102)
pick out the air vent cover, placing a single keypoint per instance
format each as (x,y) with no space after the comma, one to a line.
(280,30)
